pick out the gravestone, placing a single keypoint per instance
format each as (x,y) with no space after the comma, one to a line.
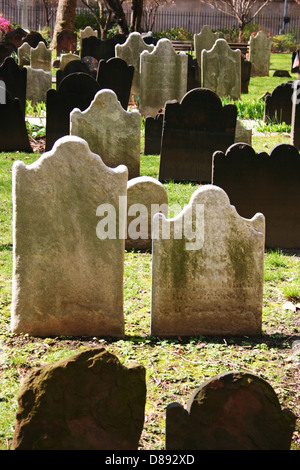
(242,134)
(231,411)
(278,105)
(295,127)
(89,401)
(207,269)
(101,48)
(260,54)
(163,77)
(24,54)
(193,80)
(67,277)
(76,90)
(131,51)
(258,182)
(145,197)
(2,92)
(204,40)
(221,70)
(13,135)
(6,50)
(153,134)
(66,59)
(15,79)
(15,37)
(75,66)
(33,38)
(116,75)
(192,131)
(38,83)
(110,131)
(86,33)
(245,74)
(66,41)
(40,57)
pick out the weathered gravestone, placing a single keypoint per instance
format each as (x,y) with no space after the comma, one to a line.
(145,197)
(116,75)
(192,131)
(88,401)
(131,51)
(2,92)
(76,90)
(163,77)
(208,269)
(245,74)
(101,48)
(40,57)
(258,182)
(66,41)
(221,70)
(231,411)
(65,59)
(242,134)
(24,54)
(110,131)
(153,134)
(259,54)
(75,66)
(67,277)
(204,40)
(13,135)
(295,130)
(86,33)
(278,105)
(15,79)
(38,83)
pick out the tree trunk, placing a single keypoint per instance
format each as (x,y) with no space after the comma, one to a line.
(136,16)
(115,7)
(65,18)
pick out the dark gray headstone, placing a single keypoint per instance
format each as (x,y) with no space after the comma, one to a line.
(192,131)
(76,66)
(245,74)
(278,105)
(15,79)
(258,182)
(153,134)
(101,48)
(116,75)
(13,135)
(295,128)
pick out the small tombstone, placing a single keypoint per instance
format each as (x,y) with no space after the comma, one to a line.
(24,54)
(278,105)
(110,131)
(116,75)
(221,70)
(242,134)
(67,277)
(66,59)
(245,74)
(15,79)
(231,411)
(145,197)
(101,48)
(89,401)
(13,135)
(207,269)
(295,128)
(192,131)
(66,41)
(40,57)
(153,134)
(76,90)
(131,51)
(75,66)
(86,33)
(264,183)
(204,40)
(163,77)
(259,54)
(38,83)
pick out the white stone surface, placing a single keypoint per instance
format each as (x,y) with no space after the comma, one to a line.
(38,83)
(40,57)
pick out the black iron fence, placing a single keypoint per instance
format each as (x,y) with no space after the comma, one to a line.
(35,18)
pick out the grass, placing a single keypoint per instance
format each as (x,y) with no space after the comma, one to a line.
(175,367)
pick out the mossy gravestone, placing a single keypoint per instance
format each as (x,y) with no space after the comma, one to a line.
(232,411)
(89,401)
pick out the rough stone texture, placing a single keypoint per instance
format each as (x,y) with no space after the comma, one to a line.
(278,105)
(204,40)
(153,134)
(66,280)
(66,59)
(110,131)
(145,197)
(210,283)
(116,75)
(163,77)
(38,83)
(15,79)
(89,401)
(86,33)
(24,54)
(295,128)
(231,411)
(242,134)
(259,54)
(41,57)
(264,183)
(192,131)
(221,70)
(131,51)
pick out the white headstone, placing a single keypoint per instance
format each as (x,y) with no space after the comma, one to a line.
(40,57)
(260,54)
(38,83)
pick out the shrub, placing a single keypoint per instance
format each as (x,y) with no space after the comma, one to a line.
(285,42)
(5,26)
(174,34)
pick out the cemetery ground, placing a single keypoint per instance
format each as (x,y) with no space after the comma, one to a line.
(175,367)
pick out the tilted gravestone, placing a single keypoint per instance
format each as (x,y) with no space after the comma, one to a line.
(207,269)
(221,70)
(153,134)
(38,84)
(192,131)
(41,57)
(231,411)
(13,135)
(145,197)
(110,131)
(258,182)
(101,48)
(278,105)
(76,90)
(79,65)
(163,77)
(89,401)
(295,128)
(204,40)
(67,274)
(116,75)
(260,54)
(15,79)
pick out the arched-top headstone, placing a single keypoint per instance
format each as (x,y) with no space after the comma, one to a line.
(101,48)
(41,57)
(259,54)
(278,105)
(13,135)
(204,40)
(116,75)
(15,79)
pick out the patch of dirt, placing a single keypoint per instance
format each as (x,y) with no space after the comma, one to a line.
(38,144)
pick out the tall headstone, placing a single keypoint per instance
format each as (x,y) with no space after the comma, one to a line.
(231,411)
(24,54)
(15,79)
(110,131)
(38,84)
(204,40)
(86,33)
(41,57)
(67,277)
(13,135)
(208,269)
(258,182)
(295,129)
(260,54)
(221,70)
(163,77)
(278,105)
(88,401)
(153,134)
(192,131)
(116,75)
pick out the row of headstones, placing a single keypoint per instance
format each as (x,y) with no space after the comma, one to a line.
(90,401)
